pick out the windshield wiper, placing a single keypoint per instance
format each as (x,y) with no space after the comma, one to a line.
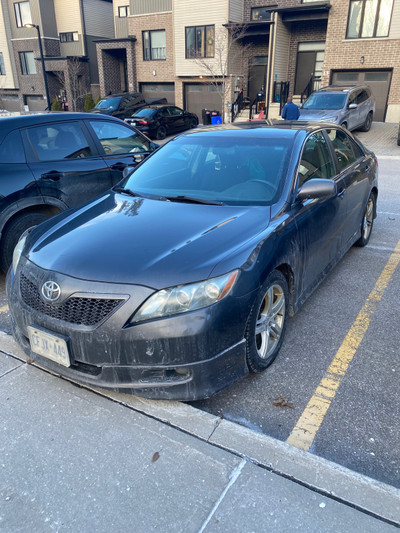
(127,191)
(191,200)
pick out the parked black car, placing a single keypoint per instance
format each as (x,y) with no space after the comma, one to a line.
(180,280)
(54,161)
(158,121)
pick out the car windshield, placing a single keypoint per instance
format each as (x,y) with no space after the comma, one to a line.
(108,103)
(231,169)
(145,112)
(325,101)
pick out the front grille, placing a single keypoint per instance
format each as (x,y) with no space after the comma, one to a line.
(82,311)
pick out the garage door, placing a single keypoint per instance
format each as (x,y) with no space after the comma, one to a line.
(199,96)
(35,103)
(10,102)
(158,90)
(378,80)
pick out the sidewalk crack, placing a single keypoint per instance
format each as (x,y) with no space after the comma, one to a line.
(232,479)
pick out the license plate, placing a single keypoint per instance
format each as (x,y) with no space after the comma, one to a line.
(49,346)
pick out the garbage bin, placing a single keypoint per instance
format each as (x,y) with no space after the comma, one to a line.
(216,120)
(206,116)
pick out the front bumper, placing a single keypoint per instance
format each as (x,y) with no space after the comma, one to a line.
(185,357)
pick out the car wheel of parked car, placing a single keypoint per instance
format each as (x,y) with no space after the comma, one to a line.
(192,123)
(367,221)
(368,123)
(161,133)
(13,232)
(267,322)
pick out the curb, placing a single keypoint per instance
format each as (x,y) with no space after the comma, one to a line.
(325,477)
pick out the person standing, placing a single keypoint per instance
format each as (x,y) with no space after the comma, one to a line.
(290,110)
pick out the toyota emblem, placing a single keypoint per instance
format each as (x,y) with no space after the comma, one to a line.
(51,291)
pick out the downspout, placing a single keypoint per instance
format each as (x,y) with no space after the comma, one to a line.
(270,62)
(85,46)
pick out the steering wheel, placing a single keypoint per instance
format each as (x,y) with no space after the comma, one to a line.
(265,183)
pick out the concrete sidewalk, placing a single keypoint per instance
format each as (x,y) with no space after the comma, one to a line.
(75,459)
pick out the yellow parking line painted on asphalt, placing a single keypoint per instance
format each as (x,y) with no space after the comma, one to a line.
(313,415)
(4,309)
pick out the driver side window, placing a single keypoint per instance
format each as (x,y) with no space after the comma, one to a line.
(118,139)
(316,160)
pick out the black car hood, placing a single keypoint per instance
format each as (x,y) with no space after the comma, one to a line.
(144,241)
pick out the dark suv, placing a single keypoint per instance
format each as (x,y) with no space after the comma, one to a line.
(351,107)
(54,161)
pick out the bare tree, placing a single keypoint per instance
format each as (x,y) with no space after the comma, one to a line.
(230,62)
(75,83)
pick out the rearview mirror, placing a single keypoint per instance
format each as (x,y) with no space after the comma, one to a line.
(317,188)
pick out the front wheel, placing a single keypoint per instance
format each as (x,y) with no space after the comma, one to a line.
(192,124)
(367,221)
(267,322)
(13,232)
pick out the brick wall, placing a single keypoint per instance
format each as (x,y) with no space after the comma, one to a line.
(164,69)
(342,53)
(109,66)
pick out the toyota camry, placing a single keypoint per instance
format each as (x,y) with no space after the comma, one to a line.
(180,280)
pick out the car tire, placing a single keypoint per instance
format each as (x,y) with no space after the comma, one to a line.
(12,234)
(266,324)
(368,123)
(367,221)
(161,133)
(192,123)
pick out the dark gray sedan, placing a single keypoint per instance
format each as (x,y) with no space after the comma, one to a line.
(180,280)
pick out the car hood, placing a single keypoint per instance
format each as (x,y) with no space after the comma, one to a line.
(319,114)
(148,242)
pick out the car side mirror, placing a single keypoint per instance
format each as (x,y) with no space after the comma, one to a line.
(317,188)
(352,106)
(127,171)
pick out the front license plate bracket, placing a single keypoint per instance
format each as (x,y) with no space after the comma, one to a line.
(49,345)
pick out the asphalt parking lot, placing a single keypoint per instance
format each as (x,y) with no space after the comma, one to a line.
(359,428)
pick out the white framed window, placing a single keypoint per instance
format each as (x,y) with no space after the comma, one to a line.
(27,61)
(154,45)
(369,18)
(22,14)
(69,37)
(123,12)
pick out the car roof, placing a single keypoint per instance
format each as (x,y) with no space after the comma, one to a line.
(23,121)
(283,128)
(341,88)
(119,94)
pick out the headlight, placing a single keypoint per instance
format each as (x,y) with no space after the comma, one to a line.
(18,251)
(186,298)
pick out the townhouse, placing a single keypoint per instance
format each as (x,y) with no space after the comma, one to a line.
(67,32)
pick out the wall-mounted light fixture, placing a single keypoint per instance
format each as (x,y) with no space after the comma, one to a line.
(154,72)
(362,59)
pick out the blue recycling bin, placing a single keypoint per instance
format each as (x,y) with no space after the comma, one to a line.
(216,120)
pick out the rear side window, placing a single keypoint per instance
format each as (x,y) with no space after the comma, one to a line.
(118,139)
(362,97)
(54,142)
(343,148)
(11,149)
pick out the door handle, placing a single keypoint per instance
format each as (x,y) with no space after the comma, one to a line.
(53,175)
(118,166)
